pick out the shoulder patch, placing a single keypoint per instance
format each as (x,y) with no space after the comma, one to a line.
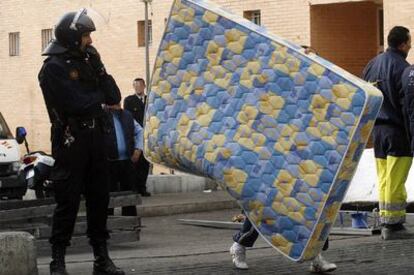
(74,74)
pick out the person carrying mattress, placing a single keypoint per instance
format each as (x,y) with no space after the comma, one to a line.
(391,138)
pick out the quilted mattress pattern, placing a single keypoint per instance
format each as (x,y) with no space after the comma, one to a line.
(282,131)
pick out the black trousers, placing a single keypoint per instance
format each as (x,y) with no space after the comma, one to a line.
(142,170)
(391,141)
(247,236)
(122,178)
(81,168)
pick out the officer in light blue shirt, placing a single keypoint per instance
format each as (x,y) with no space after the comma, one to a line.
(124,145)
(120,138)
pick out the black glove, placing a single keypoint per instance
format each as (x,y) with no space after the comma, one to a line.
(94,60)
(106,82)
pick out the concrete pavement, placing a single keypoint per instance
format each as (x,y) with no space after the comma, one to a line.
(168,247)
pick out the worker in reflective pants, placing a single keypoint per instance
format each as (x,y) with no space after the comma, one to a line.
(391,135)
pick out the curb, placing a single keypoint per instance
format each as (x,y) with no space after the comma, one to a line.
(170,204)
(165,210)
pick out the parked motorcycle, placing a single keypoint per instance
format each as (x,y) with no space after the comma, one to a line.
(36,168)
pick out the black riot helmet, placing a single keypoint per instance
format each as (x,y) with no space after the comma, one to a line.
(69,31)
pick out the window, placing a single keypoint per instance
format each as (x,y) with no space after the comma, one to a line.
(14,43)
(141,33)
(253,16)
(47,35)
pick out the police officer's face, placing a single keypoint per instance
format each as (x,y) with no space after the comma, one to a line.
(85,41)
(139,87)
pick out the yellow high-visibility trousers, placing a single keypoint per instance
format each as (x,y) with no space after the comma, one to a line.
(392,173)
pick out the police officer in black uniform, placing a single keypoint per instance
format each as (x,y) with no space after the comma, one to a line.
(75,87)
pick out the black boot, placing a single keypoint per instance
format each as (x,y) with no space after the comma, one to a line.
(103,265)
(57,266)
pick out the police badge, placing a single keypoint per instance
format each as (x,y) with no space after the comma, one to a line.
(74,74)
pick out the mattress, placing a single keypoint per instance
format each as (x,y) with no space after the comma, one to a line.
(281,130)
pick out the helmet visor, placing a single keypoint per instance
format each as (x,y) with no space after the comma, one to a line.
(82,22)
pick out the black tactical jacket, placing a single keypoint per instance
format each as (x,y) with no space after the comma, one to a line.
(71,86)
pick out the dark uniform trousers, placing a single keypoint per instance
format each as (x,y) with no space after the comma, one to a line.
(248,235)
(123,178)
(137,109)
(142,169)
(79,169)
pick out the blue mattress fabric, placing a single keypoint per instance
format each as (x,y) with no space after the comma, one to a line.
(282,131)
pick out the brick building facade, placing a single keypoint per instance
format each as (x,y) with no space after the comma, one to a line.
(348,33)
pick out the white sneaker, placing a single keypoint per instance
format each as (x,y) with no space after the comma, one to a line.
(238,253)
(320,265)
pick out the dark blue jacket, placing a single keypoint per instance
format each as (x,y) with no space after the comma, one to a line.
(386,70)
(137,108)
(391,131)
(127,122)
(408,88)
